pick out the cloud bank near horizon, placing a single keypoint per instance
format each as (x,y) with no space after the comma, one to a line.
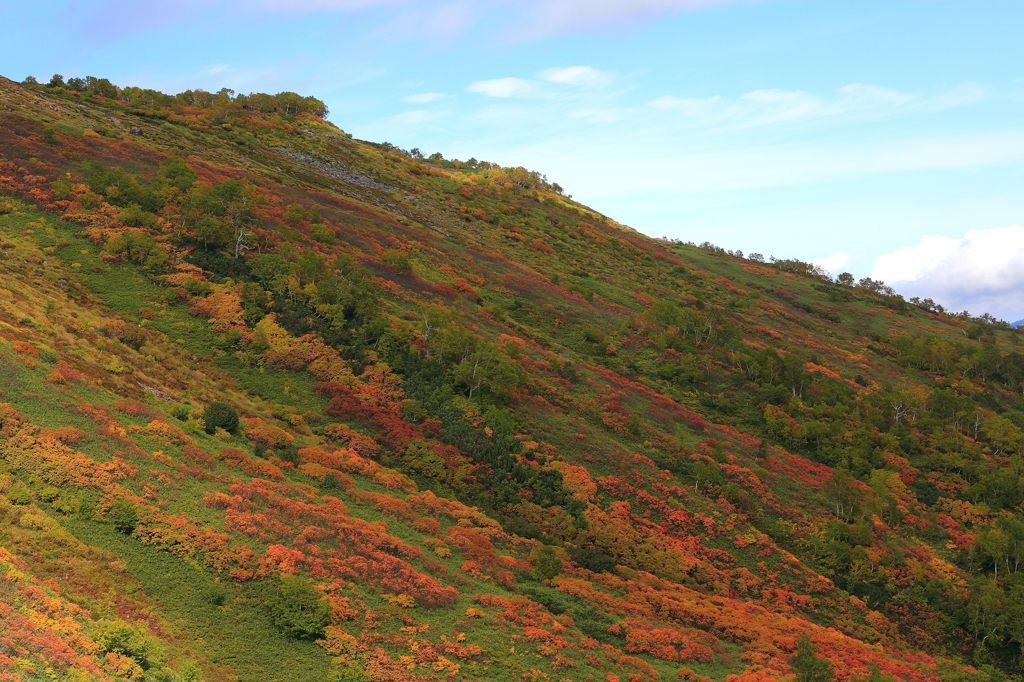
(980,272)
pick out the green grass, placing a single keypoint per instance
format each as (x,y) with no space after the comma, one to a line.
(291,389)
(238,635)
(68,128)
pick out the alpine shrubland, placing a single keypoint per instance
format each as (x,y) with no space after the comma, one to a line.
(279,404)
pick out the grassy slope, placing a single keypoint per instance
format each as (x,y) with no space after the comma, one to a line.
(570,285)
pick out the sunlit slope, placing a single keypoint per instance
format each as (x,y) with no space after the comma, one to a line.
(485,432)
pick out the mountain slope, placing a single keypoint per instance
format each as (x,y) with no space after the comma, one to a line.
(485,432)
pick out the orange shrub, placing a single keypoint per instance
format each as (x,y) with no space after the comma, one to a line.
(197,454)
(166,432)
(541,246)
(133,407)
(268,436)
(68,435)
(342,433)
(62,374)
(25,348)
(235,458)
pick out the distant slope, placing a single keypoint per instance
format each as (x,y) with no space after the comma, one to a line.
(485,433)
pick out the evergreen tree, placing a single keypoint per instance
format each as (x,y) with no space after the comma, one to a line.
(806,664)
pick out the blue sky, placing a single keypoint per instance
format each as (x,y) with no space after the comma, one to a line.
(880,137)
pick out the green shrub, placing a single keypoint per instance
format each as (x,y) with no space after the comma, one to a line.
(546,564)
(133,216)
(219,416)
(295,213)
(19,495)
(124,516)
(353,672)
(228,340)
(412,411)
(216,594)
(289,453)
(131,641)
(592,559)
(48,493)
(298,609)
(67,504)
(808,666)
(322,233)
(197,288)
(396,261)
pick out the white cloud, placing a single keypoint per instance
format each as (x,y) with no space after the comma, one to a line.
(422,98)
(757,107)
(838,262)
(502,87)
(215,69)
(760,107)
(963,94)
(780,105)
(914,262)
(981,272)
(584,77)
(865,96)
(576,75)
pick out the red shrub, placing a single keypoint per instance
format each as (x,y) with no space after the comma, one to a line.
(134,408)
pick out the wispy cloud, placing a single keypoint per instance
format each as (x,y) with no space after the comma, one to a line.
(857,96)
(761,107)
(550,84)
(753,108)
(966,93)
(770,106)
(422,98)
(576,75)
(502,87)
(979,272)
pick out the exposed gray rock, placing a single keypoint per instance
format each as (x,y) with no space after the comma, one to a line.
(334,171)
